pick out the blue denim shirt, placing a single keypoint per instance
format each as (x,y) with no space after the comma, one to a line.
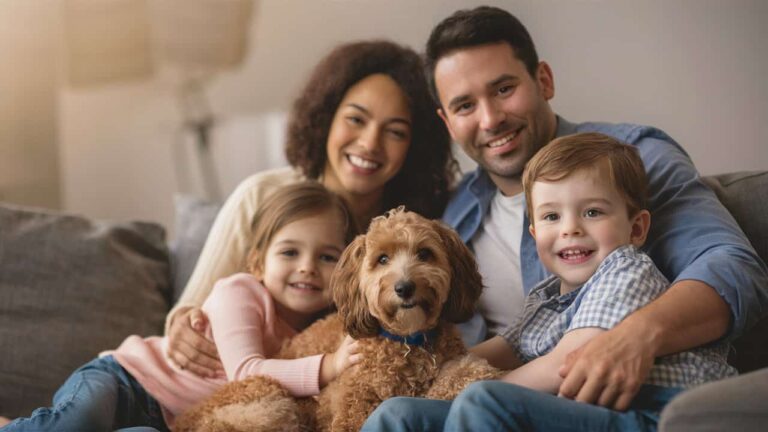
(692,235)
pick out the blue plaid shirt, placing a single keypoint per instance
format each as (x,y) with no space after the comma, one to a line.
(625,281)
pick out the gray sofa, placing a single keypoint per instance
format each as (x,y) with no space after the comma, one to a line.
(71,287)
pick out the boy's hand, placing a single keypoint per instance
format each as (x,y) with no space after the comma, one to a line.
(188,348)
(345,356)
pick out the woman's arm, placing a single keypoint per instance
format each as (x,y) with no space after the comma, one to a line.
(224,254)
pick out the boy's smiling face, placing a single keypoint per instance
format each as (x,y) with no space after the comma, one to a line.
(578,221)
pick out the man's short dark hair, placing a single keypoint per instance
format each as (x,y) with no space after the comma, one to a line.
(472,27)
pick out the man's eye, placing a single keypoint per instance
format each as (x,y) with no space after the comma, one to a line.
(505,89)
(383,259)
(424,254)
(466,106)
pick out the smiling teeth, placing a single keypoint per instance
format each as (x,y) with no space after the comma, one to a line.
(304,286)
(574,253)
(501,141)
(362,163)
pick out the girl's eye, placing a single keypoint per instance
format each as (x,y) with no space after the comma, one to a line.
(424,254)
(329,258)
(593,213)
(550,217)
(383,259)
(289,252)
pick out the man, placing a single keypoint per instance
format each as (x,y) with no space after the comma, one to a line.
(493,95)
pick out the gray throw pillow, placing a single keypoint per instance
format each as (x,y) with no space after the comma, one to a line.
(745,195)
(194,218)
(70,288)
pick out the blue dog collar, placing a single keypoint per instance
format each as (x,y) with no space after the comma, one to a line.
(417,339)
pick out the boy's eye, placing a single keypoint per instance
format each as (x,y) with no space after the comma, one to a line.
(550,217)
(592,213)
(383,259)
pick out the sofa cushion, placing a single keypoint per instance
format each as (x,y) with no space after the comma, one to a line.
(194,218)
(745,195)
(69,289)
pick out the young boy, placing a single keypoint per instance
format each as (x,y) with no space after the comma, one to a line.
(586,201)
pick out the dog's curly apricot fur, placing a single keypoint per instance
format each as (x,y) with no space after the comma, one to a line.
(407,276)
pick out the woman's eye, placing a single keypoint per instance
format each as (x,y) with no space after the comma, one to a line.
(424,254)
(383,259)
(398,134)
(355,120)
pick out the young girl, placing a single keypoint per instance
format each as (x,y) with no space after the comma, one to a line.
(299,234)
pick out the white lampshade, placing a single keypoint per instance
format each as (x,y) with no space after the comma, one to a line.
(200,37)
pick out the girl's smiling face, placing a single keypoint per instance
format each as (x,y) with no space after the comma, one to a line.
(298,264)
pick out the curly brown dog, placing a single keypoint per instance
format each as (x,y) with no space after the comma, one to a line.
(398,289)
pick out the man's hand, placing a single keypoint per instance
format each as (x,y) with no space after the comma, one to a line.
(608,370)
(188,348)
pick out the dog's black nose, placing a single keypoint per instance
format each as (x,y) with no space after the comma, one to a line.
(404,288)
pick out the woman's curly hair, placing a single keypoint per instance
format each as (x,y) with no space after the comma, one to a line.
(424,182)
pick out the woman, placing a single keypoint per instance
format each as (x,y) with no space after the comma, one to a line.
(366,127)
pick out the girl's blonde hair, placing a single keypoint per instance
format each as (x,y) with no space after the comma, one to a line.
(291,203)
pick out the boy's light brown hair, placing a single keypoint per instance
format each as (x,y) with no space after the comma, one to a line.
(291,203)
(566,155)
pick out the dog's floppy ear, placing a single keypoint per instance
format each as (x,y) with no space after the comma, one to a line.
(349,298)
(466,282)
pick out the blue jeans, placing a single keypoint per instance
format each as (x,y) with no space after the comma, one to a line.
(495,405)
(100,396)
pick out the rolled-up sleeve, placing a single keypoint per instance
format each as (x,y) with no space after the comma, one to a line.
(694,237)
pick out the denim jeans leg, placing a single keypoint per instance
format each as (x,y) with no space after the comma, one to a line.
(401,414)
(86,402)
(495,405)
(99,396)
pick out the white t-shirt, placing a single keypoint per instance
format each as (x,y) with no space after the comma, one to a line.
(497,248)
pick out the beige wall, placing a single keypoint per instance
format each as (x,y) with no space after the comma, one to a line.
(29,169)
(695,68)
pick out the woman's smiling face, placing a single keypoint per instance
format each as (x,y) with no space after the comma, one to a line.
(369,137)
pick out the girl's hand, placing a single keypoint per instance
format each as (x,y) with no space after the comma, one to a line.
(188,348)
(345,356)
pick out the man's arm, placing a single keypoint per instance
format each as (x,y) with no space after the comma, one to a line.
(609,369)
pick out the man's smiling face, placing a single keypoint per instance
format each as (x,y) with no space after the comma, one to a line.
(495,109)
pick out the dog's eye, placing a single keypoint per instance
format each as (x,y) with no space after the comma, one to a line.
(383,259)
(424,254)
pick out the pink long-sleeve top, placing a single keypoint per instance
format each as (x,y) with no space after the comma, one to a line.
(247,333)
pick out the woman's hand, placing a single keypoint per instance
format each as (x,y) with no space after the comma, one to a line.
(188,347)
(345,356)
